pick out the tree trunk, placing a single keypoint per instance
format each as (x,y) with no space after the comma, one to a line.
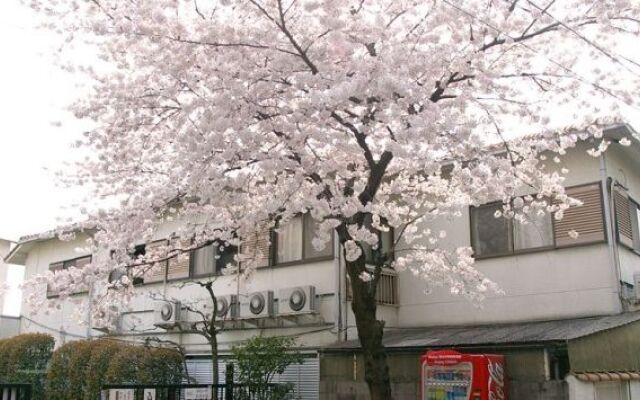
(370,331)
(213,343)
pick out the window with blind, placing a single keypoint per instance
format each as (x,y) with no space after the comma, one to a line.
(491,236)
(256,246)
(176,267)
(294,241)
(79,262)
(627,213)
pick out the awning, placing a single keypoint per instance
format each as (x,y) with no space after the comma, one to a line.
(525,333)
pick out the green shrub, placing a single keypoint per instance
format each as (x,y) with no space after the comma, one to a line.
(24,359)
(102,352)
(79,369)
(66,375)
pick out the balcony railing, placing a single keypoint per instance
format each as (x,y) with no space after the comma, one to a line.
(387,292)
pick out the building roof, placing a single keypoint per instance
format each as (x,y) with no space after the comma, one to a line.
(19,252)
(496,334)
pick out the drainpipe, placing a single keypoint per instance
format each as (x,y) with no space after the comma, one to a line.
(89,311)
(338,288)
(607,184)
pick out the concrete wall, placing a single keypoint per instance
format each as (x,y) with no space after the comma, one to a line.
(552,284)
(4,249)
(9,326)
(342,375)
(63,320)
(622,166)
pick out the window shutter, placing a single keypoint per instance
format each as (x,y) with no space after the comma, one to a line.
(178,267)
(158,272)
(623,217)
(256,245)
(587,219)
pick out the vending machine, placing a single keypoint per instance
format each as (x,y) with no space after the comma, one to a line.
(450,375)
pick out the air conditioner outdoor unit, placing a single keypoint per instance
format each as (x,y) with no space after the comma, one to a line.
(227,307)
(110,326)
(167,314)
(636,286)
(257,305)
(297,300)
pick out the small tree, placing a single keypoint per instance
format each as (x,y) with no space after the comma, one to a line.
(260,359)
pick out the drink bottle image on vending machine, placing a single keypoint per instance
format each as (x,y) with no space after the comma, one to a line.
(450,375)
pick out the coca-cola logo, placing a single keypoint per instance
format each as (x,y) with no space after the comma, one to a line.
(496,381)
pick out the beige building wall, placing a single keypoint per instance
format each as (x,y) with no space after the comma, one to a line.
(545,285)
(5,246)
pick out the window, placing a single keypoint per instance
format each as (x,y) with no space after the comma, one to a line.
(294,241)
(491,236)
(497,236)
(627,213)
(635,224)
(79,262)
(384,248)
(212,259)
(139,251)
(637,227)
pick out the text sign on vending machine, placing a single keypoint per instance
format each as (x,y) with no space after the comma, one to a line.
(450,375)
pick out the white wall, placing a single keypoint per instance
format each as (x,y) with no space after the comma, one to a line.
(565,283)
(4,249)
(545,285)
(64,322)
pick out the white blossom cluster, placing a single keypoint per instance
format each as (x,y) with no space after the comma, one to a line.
(224,115)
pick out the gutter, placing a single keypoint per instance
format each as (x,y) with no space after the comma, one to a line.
(607,200)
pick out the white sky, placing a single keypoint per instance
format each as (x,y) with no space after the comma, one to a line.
(32,95)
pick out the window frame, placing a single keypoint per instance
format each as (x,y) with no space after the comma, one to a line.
(217,269)
(635,225)
(273,249)
(511,232)
(555,245)
(51,295)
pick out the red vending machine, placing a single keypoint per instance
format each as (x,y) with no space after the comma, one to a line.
(450,375)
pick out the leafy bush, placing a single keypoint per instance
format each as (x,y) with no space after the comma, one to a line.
(66,375)
(79,369)
(101,354)
(259,359)
(24,359)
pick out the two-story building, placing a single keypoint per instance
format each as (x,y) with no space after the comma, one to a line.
(566,321)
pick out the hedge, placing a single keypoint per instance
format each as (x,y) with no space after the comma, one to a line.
(79,369)
(24,359)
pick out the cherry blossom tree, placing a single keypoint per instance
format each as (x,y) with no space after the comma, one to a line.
(370,115)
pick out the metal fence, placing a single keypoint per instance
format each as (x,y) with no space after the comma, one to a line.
(15,391)
(228,391)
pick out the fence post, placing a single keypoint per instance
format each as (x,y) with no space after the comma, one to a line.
(228,390)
